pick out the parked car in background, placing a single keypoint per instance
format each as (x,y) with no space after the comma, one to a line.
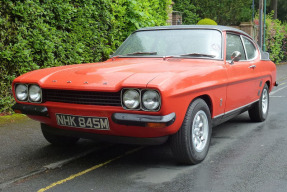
(169,83)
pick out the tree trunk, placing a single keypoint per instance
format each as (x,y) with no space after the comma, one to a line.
(260,31)
(274,7)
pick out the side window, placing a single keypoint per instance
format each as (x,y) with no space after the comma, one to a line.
(234,43)
(250,49)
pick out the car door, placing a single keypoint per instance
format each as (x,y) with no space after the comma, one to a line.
(243,81)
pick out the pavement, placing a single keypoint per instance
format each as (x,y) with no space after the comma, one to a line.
(281,72)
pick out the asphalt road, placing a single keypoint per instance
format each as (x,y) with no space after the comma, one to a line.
(243,156)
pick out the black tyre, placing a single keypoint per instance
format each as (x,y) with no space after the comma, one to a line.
(191,143)
(58,140)
(259,111)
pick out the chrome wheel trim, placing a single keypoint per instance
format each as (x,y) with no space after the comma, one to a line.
(264,102)
(200,129)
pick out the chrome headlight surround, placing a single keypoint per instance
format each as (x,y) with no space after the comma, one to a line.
(35,93)
(151,100)
(131,99)
(141,99)
(21,92)
(28,93)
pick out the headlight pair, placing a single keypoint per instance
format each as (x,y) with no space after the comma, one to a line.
(31,93)
(146,99)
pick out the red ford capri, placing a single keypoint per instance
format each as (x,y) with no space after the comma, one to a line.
(170,83)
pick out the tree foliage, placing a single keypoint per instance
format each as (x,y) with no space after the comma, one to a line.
(44,33)
(188,10)
(281,8)
(224,12)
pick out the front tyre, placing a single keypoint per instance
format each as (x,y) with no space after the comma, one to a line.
(55,139)
(191,143)
(259,111)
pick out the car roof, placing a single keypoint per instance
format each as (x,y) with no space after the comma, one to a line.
(173,27)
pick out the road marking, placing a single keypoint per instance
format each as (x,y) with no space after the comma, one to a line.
(277,90)
(88,170)
(282,79)
(278,96)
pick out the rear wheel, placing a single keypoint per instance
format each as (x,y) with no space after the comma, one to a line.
(55,139)
(191,143)
(259,111)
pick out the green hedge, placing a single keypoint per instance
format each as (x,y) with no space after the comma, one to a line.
(44,33)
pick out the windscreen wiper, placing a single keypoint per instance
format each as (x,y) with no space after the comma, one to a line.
(167,57)
(142,53)
(114,57)
(198,55)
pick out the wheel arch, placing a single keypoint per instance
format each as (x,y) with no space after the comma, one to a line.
(268,84)
(207,100)
(182,142)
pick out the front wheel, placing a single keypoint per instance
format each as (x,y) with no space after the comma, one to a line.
(259,111)
(191,143)
(57,140)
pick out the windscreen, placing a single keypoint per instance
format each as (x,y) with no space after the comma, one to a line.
(182,42)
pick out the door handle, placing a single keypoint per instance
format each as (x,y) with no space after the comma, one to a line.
(252,66)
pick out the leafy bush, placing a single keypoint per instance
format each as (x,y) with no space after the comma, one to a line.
(276,38)
(284,43)
(37,34)
(206,21)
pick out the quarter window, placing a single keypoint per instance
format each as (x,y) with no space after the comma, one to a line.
(250,49)
(234,43)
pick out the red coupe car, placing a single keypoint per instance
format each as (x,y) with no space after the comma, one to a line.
(163,83)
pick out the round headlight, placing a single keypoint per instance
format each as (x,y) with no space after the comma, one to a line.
(131,99)
(151,100)
(21,92)
(35,93)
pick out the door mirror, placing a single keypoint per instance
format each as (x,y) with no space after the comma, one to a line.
(236,55)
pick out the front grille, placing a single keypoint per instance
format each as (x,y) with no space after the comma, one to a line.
(83,97)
